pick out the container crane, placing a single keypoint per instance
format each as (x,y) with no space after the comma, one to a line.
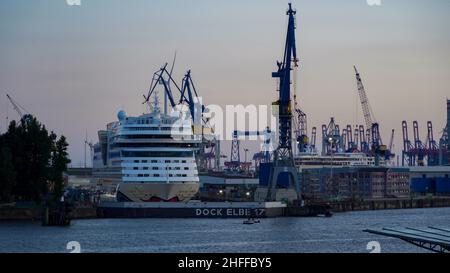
(432,147)
(332,140)
(356,138)
(313,139)
(389,152)
(408,148)
(352,140)
(364,140)
(418,145)
(391,142)
(345,140)
(418,152)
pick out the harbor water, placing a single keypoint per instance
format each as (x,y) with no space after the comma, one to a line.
(340,233)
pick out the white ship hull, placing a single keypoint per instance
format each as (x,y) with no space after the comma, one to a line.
(157,192)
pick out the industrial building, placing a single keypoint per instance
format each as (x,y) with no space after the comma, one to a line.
(220,187)
(428,180)
(355,183)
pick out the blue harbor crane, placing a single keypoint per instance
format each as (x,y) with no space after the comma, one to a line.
(188,96)
(188,88)
(159,78)
(187,91)
(283,157)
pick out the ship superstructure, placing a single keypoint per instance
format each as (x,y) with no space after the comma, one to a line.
(149,157)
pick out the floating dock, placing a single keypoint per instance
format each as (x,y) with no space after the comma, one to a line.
(191,210)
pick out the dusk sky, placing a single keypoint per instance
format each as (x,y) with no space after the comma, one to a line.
(74,67)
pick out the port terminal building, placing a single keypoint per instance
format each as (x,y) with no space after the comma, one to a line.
(430,180)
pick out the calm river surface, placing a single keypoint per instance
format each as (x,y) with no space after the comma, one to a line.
(340,233)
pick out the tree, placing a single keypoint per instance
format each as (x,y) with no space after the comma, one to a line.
(31,149)
(59,161)
(30,158)
(7,173)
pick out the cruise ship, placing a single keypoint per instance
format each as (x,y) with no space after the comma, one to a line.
(314,160)
(148,158)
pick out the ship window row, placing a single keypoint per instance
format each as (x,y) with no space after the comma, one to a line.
(164,168)
(158,175)
(145,136)
(160,161)
(150,121)
(157,154)
(169,128)
(154,144)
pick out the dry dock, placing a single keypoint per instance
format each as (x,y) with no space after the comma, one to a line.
(191,210)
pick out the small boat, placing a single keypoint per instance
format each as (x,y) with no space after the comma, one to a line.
(251,221)
(326,214)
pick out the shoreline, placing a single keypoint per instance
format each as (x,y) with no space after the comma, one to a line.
(391,204)
(92,212)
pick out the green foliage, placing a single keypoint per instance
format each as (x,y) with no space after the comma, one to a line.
(7,172)
(59,161)
(36,158)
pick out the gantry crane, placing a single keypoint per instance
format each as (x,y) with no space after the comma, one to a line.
(408,148)
(332,139)
(432,146)
(418,152)
(363,139)
(313,139)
